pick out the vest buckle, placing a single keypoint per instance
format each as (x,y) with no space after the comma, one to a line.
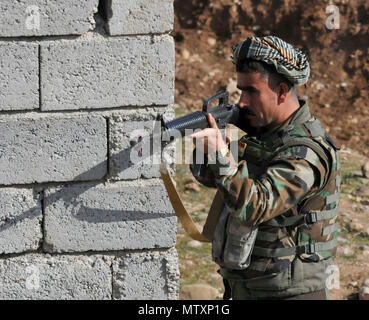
(311,218)
(308,248)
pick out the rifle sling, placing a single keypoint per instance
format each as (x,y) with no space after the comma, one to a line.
(178,206)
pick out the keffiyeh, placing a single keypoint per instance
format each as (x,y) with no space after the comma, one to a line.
(288,61)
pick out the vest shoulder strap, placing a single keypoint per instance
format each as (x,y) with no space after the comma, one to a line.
(312,135)
(308,142)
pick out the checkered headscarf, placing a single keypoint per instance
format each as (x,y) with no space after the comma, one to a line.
(288,61)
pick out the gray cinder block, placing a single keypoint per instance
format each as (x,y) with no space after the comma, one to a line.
(20,220)
(46,17)
(107,72)
(112,216)
(40,148)
(124,126)
(19,76)
(139,16)
(36,277)
(146,276)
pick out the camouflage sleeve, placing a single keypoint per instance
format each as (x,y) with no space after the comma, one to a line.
(285,183)
(202,173)
(201,168)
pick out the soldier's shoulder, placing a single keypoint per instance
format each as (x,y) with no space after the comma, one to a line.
(302,152)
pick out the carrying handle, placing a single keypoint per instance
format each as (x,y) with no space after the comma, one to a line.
(223,100)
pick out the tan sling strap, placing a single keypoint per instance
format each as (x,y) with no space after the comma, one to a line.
(213,216)
(178,206)
(182,213)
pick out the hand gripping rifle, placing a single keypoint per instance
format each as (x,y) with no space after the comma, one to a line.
(224,113)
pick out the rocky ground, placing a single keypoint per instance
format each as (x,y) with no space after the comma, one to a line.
(205,32)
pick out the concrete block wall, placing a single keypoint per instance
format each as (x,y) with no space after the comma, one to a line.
(79,219)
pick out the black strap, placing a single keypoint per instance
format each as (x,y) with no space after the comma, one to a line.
(291,251)
(302,219)
(308,143)
(227,290)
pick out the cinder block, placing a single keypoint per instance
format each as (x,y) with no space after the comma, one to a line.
(20,220)
(42,148)
(45,277)
(139,16)
(146,276)
(19,76)
(124,161)
(46,17)
(107,72)
(102,217)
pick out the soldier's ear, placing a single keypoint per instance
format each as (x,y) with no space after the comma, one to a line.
(282,90)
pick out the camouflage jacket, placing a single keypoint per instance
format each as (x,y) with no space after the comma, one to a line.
(265,190)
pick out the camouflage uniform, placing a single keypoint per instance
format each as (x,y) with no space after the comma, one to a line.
(283,196)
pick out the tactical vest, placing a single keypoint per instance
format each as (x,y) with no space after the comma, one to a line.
(308,230)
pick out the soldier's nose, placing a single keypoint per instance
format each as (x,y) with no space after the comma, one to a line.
(242,105)
(244,101)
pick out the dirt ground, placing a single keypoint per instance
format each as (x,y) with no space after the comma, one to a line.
(337,91)
(205,32)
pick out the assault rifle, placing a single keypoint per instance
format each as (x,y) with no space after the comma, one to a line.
(224,113)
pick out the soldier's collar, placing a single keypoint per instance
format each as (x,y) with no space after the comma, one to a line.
(301,115)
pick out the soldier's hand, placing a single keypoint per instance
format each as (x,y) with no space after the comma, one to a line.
(210,139)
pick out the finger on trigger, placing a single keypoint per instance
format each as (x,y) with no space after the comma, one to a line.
(211,120)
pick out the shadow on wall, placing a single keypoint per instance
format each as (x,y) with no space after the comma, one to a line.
(87,214)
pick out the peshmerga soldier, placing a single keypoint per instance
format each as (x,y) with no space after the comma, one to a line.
(276,208)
